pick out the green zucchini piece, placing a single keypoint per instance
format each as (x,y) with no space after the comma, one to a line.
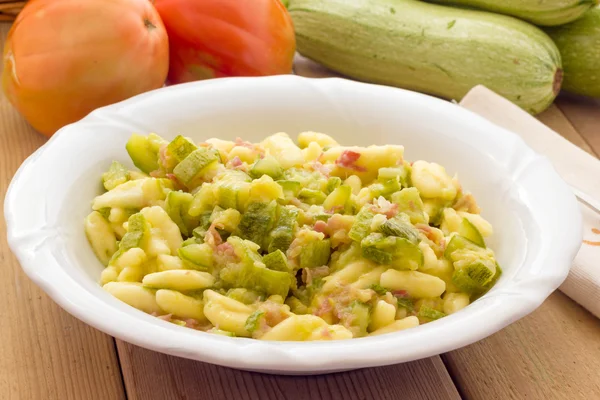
(337,199)
(180,148)
(253,321)
(473,278)
(386,188)
(397,226)
(429,313)
(177,206)
(410,203)
(315,253)
(233,189)
(282,236)
(266,166)
(399,253)
(257,222)
(469,231)
(138,234)
(143,153)
(361,316)
(377,288)
(251,273)
(362,224)
(290,188)
(204,200)
(406,303)
(333,183)
(198,256)
(188,241)
(402,172)
(115,175)
(276,261)
(244,295)
(311,196)
(105,212)
(458,242)
(187,170)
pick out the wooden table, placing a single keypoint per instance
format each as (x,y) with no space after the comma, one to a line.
(46,354)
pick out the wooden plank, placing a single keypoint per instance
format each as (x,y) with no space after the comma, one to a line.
(554,118)
(584,114)
(149,375)
(45,352)
(552,354)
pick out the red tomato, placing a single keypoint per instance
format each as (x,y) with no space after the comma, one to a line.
(219,38)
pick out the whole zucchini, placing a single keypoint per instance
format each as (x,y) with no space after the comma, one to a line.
(579,44)
(539,12)
(439,50)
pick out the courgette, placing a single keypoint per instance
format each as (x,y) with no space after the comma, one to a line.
(430,48)
(579,44)
(544,13)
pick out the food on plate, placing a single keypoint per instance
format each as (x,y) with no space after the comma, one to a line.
(545,13)
(283,241)
(579,44)
(435,49)
(63,59)
(220,38)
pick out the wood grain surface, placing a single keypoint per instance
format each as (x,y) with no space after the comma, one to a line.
(46,354)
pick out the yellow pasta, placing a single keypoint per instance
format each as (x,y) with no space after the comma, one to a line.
(227,314)
(135,295)
(158,218)
(101,236)
(405,323)
(179,279)
(416,284)
(323,140)
(166,262)
(383,315)
(284,150)
(454,302)
(306,327)
(180,305)
(432,180)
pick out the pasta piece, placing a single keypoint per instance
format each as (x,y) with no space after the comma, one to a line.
(312,152)
(383,315)
(454,302)
(176,303)
(405,323)
(305,139)
(369,279)
(355,184)
(245,154)
(132,194)
(134,294)
(284,150)
(306,327)
(179,279)
(223,146)
(363,162)
(348,274)
(450,221)
(166,262)
(101,236)
(158,218)
(415,284)
(226,313)
(432,181)
(109,274)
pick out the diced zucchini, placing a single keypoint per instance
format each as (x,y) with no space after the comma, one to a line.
(410,203)
(244,295)
(469,231)
(472,279)
(400,172)
(233,190)
(429,314)
(362,224)
(377,288)
(266,166)
(180,148)
(138,234)
(254,320)
(385,188)
(311,196)
(290,188)
(458,242)
(435,209)
(116,175)
(281,237)
(197,256)
(337,200)
(398,227)
(360,319)
(204,200)
(276,261)
(333,183)
(177,206)
(315,254)
(143,151)
(187,170)
(251,273)
(395,251)
(257,222)
(406,303)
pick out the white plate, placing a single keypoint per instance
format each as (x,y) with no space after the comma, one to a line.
(536,218)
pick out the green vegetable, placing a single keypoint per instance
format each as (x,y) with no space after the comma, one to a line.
(474,266)
(385,188)
(410,203)
(281,237)
(578,45)
(251,273)
(233,189)
(333,183)
(177,206)
(143,151)
(402,172)
(445,51)
(266,166)
(244,295)
(362,224)
(187,170)
(315,253)
(459,242)
(115,175)
(276,261)
(188,241)
(336,200)
(429,313)
(198,256)
(406,303)
(180,148)
(138,234)
(380,290)
(311,196)
(469,231)
(360,319)
(395,251)
(545,13)
(397,226)
(257,222)
(253,321)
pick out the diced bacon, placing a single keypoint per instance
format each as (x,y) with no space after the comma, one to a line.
(400,293)
(243,143)
(173,178)
(348,159)
(383,206)
(325,333)
(157,173)
(324,308)
(236,162)
(191,323)
(212,236)
(166,317)
(320,226)
(426,229)
(325,170)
